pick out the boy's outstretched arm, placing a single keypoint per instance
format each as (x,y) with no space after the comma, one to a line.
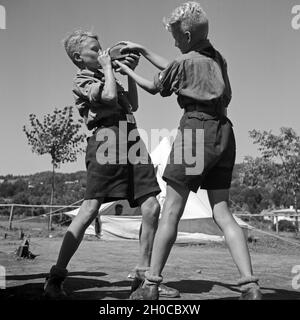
(145,84)
(133,94)
(157,60)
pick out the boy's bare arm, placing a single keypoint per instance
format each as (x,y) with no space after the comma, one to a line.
(109,93)
(133,94)
(133,60)
(160,62)
(145,84)
(157,60)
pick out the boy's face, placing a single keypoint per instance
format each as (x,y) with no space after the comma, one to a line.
(89,53)
(182,39)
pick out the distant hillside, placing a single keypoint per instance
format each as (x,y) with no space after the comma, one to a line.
(36,189)
(70,187)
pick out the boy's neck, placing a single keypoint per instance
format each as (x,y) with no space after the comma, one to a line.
(200,44)
(90,69)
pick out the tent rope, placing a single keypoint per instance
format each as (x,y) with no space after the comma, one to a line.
(278,237)
(48,214)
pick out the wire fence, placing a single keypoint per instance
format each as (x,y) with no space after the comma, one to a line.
(50,214)
(274,218)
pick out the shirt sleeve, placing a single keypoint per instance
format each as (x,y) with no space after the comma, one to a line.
(168,80)
(88,88)
(82,107)
(227,91)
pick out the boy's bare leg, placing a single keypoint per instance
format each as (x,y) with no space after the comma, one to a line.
(88,211)
(164,239)
(173,208)
(235,240)
(150,213)
(73,237)
(233,233)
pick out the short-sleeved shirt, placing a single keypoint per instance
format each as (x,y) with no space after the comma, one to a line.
(197,77)
(111,181)
(87,88)
(200,78)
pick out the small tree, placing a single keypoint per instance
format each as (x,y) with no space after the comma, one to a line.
(57,136)
(279,164)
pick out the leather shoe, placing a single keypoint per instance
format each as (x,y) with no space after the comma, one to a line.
(163,290)
(146,292)
(251,294)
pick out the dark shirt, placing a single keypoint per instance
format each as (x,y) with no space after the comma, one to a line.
(88,99)
(198,77)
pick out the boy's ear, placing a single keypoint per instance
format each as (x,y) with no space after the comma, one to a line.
(77,57)
(188,36)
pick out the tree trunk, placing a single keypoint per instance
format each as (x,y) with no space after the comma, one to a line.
(296,211)
(51,199)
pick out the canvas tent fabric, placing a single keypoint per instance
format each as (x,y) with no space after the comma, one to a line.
(196,223)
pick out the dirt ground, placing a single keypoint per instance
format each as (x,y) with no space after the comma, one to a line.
(100,268)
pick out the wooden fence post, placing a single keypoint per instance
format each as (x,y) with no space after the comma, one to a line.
(277,227)
(11,217)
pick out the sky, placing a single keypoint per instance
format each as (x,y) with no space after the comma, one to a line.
(256,38)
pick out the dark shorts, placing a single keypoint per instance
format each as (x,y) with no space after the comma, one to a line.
(118,178)
(212,151)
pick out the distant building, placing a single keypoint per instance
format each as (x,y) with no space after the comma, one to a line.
(283,214)
(71,182)
(11,181)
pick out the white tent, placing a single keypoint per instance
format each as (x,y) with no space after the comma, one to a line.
(196,223)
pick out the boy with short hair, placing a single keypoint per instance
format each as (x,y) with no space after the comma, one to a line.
(107,109)
(199,78)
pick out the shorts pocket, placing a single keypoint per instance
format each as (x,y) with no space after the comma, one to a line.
(208,123)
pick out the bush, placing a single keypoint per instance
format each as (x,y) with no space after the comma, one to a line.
(285,225)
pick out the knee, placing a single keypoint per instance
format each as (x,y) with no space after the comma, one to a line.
(150,210)
(224,218)
(88,212)
(91,207)
(172,211)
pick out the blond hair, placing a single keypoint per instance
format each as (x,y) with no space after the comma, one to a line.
(191,17)
(73,41)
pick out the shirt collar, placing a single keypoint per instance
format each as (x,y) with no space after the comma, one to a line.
(89,73)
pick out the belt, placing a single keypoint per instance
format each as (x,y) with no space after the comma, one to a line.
(207,110)
(111,121)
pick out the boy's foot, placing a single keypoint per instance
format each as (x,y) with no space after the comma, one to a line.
(168,292)
(145,292)
(148,290)
(250,288)
(53,287)
(163,290)
(251,294)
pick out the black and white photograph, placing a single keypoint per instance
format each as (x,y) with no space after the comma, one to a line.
(150,150)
